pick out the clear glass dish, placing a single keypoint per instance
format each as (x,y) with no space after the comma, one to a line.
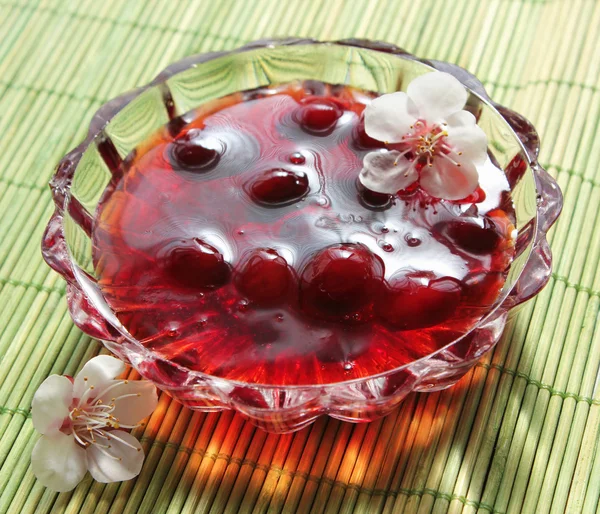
(123,123)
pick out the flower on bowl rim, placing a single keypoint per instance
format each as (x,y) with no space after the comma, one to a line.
(79,420)
(439,144)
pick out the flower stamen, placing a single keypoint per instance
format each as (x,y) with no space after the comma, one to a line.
(108,454)
(122,441)
(426,142)
(79,439)
(131,395)
(397,159)
(109,388)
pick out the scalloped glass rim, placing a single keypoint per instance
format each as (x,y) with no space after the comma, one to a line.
(528,281)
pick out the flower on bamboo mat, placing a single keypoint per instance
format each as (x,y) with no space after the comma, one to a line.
(433,140)
(79,420)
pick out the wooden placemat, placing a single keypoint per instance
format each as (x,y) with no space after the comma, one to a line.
(519,434)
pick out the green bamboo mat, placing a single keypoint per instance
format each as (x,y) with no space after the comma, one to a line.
(520,433)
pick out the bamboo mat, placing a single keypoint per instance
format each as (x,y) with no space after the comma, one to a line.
(520,433)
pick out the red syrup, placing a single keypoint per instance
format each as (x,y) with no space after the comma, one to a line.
(244,247)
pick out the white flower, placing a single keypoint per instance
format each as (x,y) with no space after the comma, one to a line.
(78,419)
(439,144)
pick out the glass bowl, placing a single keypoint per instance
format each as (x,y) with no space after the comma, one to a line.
(123,123)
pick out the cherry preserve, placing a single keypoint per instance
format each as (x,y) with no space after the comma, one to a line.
(239,242)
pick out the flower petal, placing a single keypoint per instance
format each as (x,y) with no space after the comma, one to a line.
(132,409)
(389,117)
(122,461)
(471,140)
(50,405)
(437,95)
(387,172)
(58,462)
(446,180)
(461,119)
(99,371)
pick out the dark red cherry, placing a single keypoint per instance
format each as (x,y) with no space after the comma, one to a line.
(362,140)
(196,264)
(373,199)
(340,281)
(193,152)
(263,276)
(278,187)
(418,300)
(473,238)
(319,116)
